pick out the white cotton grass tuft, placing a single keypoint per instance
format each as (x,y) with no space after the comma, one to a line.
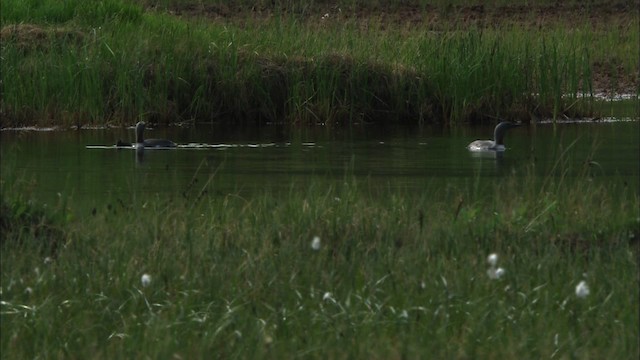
(315,243)
(582,289)
(495,273)
(145,280)
(492,259)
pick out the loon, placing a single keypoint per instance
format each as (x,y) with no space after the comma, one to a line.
(120,144)
(498,135)
(150,143)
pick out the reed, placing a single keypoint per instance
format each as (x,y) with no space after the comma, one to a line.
(393,273)
(75,65)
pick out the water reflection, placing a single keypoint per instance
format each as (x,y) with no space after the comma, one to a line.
(139,155)
(493,155)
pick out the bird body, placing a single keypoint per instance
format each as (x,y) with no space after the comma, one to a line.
(485,145)
(141,143)
(497,144)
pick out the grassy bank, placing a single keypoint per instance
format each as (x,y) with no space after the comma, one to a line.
(71,63)
(394,274)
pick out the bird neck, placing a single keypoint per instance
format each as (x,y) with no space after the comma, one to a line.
(139,134)
(498,136)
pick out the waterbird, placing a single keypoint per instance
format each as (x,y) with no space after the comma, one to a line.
(497,144)
(150,143)
(121,143)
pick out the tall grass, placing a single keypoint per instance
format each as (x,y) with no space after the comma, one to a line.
(84,66)
(397,274)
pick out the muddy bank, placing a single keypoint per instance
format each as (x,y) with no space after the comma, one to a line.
(435,17)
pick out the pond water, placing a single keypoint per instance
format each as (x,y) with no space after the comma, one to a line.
(274,158)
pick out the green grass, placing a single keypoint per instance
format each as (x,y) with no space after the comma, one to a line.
(119,62)
(398,274)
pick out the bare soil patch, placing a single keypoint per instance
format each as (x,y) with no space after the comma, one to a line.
(597,13)
(28,36)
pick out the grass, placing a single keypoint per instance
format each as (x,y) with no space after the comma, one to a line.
(398,274)
(70,63)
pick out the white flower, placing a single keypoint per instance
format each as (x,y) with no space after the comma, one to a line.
(495,274)
(315,243)
(327,296)
(492,259)
(582,290)
(145,280)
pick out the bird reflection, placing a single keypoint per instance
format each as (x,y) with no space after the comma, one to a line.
(139,155)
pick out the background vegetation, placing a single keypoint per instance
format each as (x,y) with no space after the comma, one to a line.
(310,62)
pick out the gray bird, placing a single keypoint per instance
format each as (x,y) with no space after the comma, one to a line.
(150,143)
(497,144)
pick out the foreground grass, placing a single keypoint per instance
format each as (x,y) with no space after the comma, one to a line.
(74,63)
(395,274)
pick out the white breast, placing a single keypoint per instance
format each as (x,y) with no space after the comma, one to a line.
(484,145)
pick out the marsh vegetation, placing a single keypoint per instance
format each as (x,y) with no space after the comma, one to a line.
(311,62)
(538,260)
(331,272)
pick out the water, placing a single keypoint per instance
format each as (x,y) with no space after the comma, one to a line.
(58,163)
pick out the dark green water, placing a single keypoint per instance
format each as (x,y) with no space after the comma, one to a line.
(58,162)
